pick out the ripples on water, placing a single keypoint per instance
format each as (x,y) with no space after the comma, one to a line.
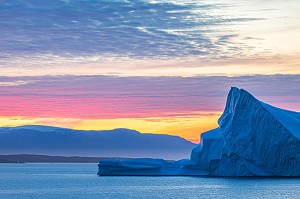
(81,181)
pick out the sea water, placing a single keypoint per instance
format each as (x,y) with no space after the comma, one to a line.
(81,181)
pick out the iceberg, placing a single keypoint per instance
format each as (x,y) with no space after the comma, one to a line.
(147,167)
(253,139)
(259,139)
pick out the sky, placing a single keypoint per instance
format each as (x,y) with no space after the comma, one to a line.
(156,66)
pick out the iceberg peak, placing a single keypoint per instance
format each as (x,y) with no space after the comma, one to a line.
(259,140)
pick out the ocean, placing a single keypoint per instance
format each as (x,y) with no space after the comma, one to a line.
(59,180)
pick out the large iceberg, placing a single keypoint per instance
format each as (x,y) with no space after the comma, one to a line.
(259,140)
(253,139)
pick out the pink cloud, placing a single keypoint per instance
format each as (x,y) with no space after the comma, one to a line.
(91,97)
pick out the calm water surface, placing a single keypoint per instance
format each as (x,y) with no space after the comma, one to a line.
(81,181)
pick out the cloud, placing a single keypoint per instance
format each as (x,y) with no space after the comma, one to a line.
(139,29)
(13,83)
(92,97)
(138,37)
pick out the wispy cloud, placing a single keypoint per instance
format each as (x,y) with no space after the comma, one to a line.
(128,28)
(137,97)
(13,83)
(58,37)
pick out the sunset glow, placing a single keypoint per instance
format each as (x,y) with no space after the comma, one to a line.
(153,66)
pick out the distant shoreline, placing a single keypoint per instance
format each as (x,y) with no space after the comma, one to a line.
(30,158)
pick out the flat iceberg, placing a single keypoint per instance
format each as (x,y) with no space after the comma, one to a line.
(253,139)
(147,167)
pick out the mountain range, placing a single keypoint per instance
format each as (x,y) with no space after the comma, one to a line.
(48,140)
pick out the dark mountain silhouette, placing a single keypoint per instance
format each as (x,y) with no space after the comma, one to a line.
(47,140)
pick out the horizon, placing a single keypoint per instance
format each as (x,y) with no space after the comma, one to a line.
(161,67)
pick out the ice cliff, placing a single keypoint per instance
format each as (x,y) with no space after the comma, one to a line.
(253,139)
